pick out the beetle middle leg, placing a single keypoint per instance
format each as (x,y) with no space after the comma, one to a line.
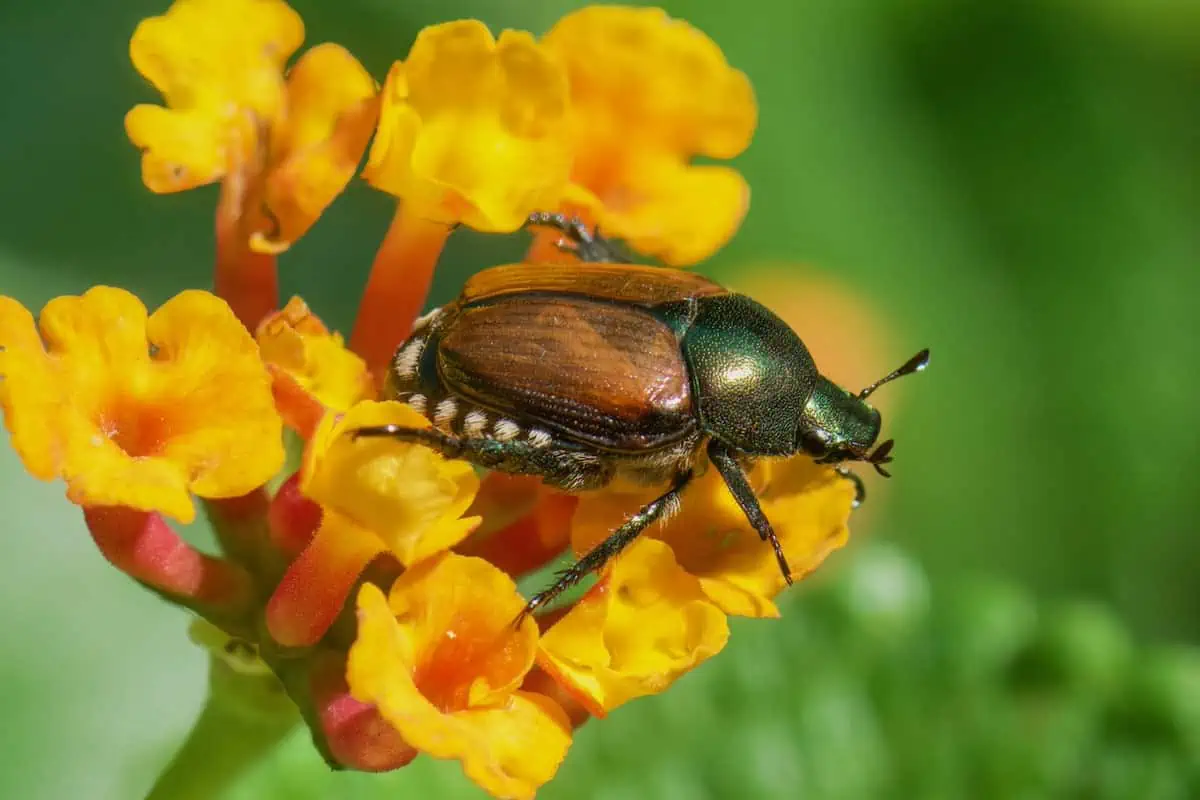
(739,486)
(588,246)
(598,556)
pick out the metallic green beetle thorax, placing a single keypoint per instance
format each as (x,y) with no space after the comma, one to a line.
(751,374)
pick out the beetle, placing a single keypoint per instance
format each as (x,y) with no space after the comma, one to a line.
(585,373)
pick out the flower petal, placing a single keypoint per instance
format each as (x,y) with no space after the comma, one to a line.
(315,151)
(808,505)
(678,213)
(473,129)
(302,352)
(528,738)
(643,626)
(409,495)
(649,93)
(664,78)
(232,437)
(29,392)
(219,66)
(442,661)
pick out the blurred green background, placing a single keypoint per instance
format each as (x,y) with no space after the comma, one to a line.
(1014,184)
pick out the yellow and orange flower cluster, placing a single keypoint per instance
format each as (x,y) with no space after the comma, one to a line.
(388,570)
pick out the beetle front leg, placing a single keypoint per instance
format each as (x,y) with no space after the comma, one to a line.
(860,491)
(739,486)
(598,556)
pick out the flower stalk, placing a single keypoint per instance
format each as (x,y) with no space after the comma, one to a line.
(397,287)
(245,716)
(245,278)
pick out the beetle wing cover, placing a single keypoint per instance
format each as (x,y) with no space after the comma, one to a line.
(623,283)
(608,375)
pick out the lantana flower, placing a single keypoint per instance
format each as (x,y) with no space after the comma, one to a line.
(283,142)
(472,131)
(136,410)
(376,497)
(442,661)
(649,94)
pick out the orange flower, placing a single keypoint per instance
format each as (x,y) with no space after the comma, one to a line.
(443,663)
(646,623)
(138,411)
(808,505)
(310,367)
(283,148)
(220,67)
(649,93)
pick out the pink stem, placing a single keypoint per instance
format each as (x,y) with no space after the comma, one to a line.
(142,545)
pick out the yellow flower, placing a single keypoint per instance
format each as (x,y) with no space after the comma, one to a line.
(473,129)
(293,144)
(808,505)
(649,93)
(646,623)
(138,411)
(311,369)
(405,494)
(443,663)
(219,65)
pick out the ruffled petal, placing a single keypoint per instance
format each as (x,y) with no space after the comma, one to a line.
(646,623)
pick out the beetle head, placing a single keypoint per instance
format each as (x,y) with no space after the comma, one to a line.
(839,426)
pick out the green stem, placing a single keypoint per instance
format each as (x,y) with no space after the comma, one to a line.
(245,716)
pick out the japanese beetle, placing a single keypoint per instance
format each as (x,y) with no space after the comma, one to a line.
(580,374)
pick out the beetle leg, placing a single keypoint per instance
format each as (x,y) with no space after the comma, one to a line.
(559,467)
(588,245)
(598,556)
(739,486)
(860,491)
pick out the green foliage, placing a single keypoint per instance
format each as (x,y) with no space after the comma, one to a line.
(874,684)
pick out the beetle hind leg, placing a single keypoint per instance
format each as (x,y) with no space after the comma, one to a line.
(618,540)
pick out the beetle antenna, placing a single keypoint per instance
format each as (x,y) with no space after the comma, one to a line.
(914,364)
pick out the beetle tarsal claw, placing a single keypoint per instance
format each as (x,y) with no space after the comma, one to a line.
(586,244)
